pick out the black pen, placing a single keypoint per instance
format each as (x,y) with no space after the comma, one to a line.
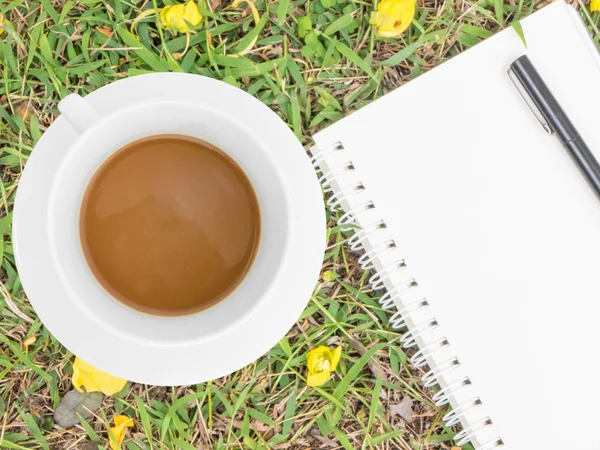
(552,117)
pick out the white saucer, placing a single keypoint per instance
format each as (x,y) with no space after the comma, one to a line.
(193,362)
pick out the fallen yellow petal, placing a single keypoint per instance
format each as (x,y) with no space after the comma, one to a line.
(192,14)
(335,357)
(316,357)
(321,362)
(89,379)
(31,339)
(393,17)
(177,17)
(117,433)
(123,421)
(318,379)
(595,5)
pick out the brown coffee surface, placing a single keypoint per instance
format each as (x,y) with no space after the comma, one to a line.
(169,225)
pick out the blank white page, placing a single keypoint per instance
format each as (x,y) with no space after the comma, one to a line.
(498,225)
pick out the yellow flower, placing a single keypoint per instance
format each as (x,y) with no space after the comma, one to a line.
(94,380)
(118,431)
(321,363)
(175,17)
(393,17)
(329,275)
(2,22)
(595,5)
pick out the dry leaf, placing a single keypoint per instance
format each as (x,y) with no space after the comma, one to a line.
(404,409)
(105,31)
(255,425)
(279,407)
(23,111)
(75,402)
(89,445)
(377,370)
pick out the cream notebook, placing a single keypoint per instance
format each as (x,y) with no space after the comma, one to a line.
(483,235)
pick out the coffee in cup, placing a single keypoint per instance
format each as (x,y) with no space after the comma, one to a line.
(169,225)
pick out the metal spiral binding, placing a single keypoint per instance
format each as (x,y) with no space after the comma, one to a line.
(453,417)
(400,294)
(409,339)
(367,258)
(355,242)
(327,177)
(355,204)
(377,281)
(398,319)
(335,201)
(469,432)
(420,358)
(431,379)
(352,214)
(317,159)
(493,444)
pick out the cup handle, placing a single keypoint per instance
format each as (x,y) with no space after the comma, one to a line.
(78,112)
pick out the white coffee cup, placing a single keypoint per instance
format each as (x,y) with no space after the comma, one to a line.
(99,138)
(125,342)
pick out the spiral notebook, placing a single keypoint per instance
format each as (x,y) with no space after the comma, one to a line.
(483,236)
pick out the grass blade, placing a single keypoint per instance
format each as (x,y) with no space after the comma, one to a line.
(499,9)
(353,57)
(290,411)
(145,418)
(338,24)
(355,370)
(145,55)
(282,10)
(35,429)
(373,408)
(343,439)
(516,25)
(386,437)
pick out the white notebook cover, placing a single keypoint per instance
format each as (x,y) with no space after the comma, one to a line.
(497,226)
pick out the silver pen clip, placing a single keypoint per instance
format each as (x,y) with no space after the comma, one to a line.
(528,101)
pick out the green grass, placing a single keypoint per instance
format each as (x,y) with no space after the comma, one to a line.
(311,64)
